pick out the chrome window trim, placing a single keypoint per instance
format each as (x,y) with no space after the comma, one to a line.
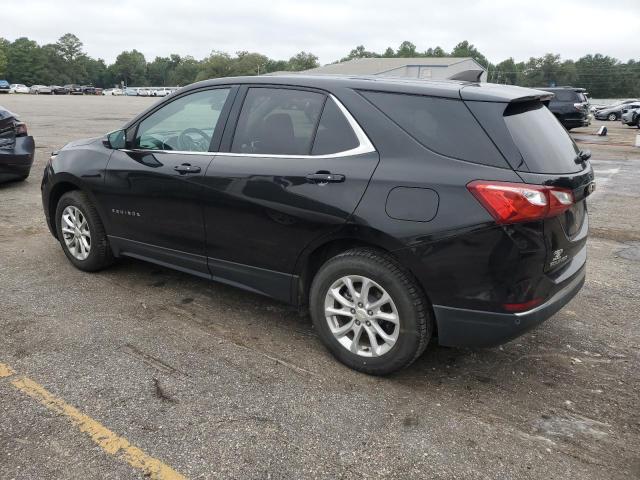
(364,144)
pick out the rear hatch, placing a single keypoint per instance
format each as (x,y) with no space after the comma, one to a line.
(542,153)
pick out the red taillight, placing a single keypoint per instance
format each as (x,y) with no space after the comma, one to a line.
(520,202)
(521,307)
(579,106)
(21,129)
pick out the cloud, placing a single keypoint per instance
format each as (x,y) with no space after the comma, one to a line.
(281,28)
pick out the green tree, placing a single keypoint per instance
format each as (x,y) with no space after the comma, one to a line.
(303,61)
(406,49)
(25,62)
(185,71)
(130,67)
(4,47)
(465,49)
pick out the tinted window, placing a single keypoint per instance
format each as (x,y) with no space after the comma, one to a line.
(566,96)
(334,132)
(277,121)
(545,146)
(185,124)
(443,125)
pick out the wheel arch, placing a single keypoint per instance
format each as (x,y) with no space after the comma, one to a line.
(316,254)
(64,184)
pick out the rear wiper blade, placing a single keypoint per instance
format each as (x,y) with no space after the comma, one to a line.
(583,156)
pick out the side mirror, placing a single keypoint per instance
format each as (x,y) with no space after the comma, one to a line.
(115,140)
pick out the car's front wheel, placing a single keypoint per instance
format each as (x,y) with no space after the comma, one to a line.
(370,312)
(81,233)
(612,117)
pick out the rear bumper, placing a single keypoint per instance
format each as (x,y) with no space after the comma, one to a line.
(458,327)
(18,160)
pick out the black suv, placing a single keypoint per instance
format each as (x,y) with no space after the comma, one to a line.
(396,210)
(570,105)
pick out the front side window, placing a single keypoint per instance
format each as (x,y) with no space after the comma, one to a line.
(185,124)
(277,121)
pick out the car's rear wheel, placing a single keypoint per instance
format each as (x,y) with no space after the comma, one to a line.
(370,312)
(612,117)
(81,233)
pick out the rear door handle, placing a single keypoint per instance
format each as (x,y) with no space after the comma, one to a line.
(186,168)
(321,177)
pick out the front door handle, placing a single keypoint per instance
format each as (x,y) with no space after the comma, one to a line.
(325,177)
(186,168)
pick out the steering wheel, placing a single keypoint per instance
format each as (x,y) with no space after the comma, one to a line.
(188,144)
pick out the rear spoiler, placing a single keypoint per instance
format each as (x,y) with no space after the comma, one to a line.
(489,92)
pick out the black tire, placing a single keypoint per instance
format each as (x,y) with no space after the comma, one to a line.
(100,255)
(612,117)
(414,311)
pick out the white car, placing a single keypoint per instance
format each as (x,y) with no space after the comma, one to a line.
(38,89)
(161,92)
(112,91)
(630,114)
(18,88)
(144,92)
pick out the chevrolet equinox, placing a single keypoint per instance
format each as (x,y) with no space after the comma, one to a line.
(397,210)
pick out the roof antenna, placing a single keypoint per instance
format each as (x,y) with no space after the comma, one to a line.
(468,76)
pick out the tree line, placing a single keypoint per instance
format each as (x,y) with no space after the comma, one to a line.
(65,61)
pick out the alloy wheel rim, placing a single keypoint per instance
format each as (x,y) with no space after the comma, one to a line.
(76,233)
(362,316)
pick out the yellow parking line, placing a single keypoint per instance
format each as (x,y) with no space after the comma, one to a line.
(101,435)
(5,370)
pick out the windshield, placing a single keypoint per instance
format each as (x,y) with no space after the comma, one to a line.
(545,145)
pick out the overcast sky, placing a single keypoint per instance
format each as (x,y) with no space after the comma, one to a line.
(329,29)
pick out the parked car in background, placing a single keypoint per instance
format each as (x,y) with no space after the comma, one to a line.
(16,147)
(88,90)
(160,92)
(612,112)
(18,88)
(570,106)
(600,107)
(144,92)
(391,208)
(131,92)
(74,89)
(58,90)
(629,114)
(112,91)
(4,86)
(40,90)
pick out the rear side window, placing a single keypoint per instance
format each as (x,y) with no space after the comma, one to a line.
(277,121)
(334,132)
(545,146)
(443,125)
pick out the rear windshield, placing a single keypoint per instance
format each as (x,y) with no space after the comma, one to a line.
(545,146)
(567,96)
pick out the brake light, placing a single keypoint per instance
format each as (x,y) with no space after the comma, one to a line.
(579,106)
(520,202)
(21,129)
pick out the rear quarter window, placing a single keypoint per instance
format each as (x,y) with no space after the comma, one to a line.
(442,125)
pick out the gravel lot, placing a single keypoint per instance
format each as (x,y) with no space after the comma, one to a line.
(219,383)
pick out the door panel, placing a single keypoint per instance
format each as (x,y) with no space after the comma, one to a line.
(150,202)
(152,188)
(262,211)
